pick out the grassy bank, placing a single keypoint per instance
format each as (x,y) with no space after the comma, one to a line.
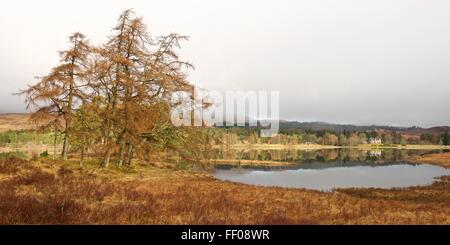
(267,163)
(441,159)
(50,192)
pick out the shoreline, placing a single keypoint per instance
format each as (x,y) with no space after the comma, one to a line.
(438,159)
(257,163)
(327,147)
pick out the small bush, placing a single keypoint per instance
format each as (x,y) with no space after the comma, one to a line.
(44,154)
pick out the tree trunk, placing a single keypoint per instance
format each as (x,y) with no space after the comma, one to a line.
(65,147)
(105,162)
(129,154)
(68,112)
(109,145)
(82,156)
(54,144)
(121,152)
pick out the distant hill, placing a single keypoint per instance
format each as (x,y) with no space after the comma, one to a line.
(14,121)
(434,130)
(318,126)
(324,126)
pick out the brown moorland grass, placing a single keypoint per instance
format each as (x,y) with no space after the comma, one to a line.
(51,192)
(14,121)
(441,159)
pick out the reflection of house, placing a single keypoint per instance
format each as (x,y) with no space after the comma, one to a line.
(375,153)
(374,141)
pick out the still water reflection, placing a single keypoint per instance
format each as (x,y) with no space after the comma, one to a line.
(374,155)
(328,169)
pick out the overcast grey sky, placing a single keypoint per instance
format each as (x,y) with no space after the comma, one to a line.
(342,61)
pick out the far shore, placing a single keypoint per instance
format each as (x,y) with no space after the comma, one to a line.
(439,159)
(442,159)
(324,147)
(254,163)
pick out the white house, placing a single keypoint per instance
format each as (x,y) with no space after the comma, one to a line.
(375,141)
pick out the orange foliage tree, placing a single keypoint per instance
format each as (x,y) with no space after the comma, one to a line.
(125,83)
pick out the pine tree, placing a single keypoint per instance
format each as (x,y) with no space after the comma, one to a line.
(116,96)
(55,95)
(136,74)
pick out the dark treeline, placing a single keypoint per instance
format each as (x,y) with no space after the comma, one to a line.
(233,135)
